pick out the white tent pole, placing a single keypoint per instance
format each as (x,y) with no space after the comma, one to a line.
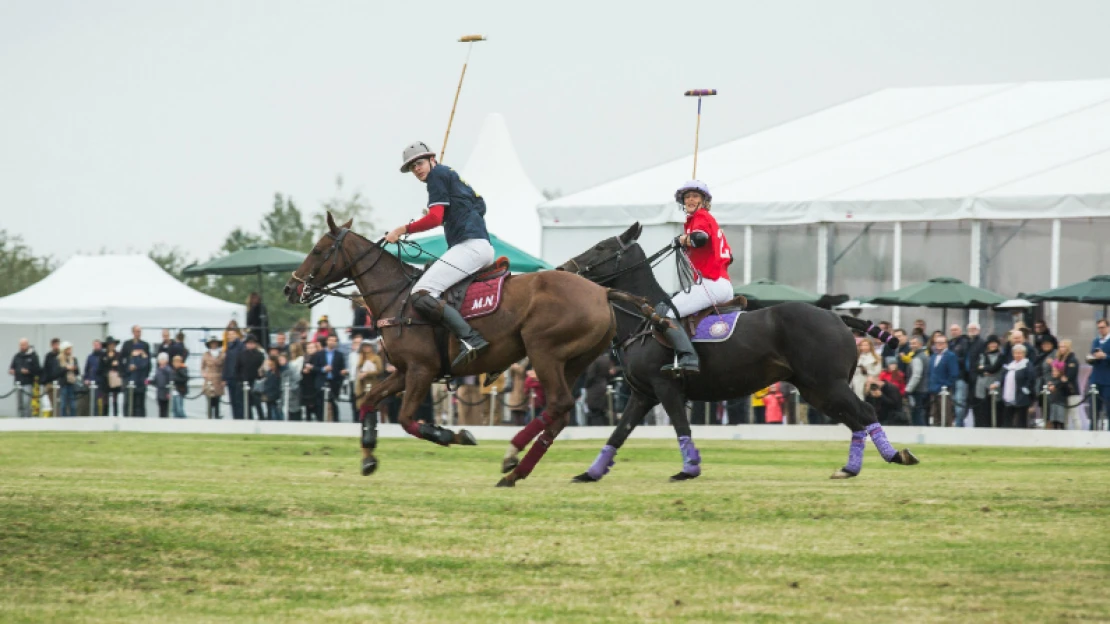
(896,271)
(976,263)
(747,254)
(1054,273)
(823,259)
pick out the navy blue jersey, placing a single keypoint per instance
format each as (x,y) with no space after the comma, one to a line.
(464,210)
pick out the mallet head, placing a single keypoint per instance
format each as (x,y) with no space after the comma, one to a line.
(471,38)
(700,92)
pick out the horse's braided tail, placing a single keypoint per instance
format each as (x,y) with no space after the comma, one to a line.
(871,329)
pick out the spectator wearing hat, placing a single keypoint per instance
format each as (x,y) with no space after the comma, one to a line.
(89,377)
(212,370)
(233,350)
(330,369)
(136,376)
(987,371)
(893,375)
(323,330)
(69,380)
(163,384)
(109,377)
(249,364)
(25,369)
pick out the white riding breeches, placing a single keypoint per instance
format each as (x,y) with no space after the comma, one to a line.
(703,294)
(458,263)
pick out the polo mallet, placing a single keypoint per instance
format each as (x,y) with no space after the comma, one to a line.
(469,39)
(698,93)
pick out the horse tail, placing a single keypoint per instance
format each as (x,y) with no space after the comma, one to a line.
(871,329)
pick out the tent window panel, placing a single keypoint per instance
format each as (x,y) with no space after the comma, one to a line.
(865,258)
(786,254)
(1016,256)
(1083,254)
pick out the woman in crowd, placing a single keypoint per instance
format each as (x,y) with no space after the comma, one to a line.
(212,370)
(258,322)
(868,365)
(1018,388)
(291,378)
(323,330)
(232,326)
(180,385)
(773,403)
(893,375)
(163,384)
(271,387)
(1068,364)
(71,376)
(369,370)
(308,385)
(987,372)
(109,378)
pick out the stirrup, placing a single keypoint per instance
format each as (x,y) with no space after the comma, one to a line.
(679,368)
(468,353)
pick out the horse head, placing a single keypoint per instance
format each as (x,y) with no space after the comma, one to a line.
(329,262)
(604,260)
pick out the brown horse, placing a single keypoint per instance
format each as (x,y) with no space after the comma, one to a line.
(561,321)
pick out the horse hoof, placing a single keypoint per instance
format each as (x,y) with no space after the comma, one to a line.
(508,464)
(369,465)
(584,478)
(907,458)
(505,482)
(843,474)
(684,476)
(465,438)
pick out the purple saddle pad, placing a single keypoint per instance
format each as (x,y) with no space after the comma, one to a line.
(714,328)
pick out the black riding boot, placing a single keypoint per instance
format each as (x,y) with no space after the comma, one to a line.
(436,311)
(688,363)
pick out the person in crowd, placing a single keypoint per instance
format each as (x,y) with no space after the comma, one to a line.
(919,329)
(212,370)
(518,395)
(136,342)
(166,345)
(323,330)
(933,338)
(390,407)
(25,369)
(280,343)
(110,373)
(163,383)
(232,326)
(988,372)
(354,360)
(272,371)
(249,372)
(233,352)
(773,403)
(468,396)
(598,374)
(867,365)
(958,344)
(308,380)
(1017,387)
(916,387)
(1100,368)
(331,369)
(894,376)
(975,346)
(291,380)
(535,388)
(52,373)
(889,350)
(1045,353)
(363,323)
(1058,393)
(89,377)
(369,369)
(885,399)
(180,385)
(137,377)
(299,333)
(1041,332)
(943,373)
(1069,381)
(258,321)
(69,380)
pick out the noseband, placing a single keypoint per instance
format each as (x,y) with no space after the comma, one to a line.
(312,293)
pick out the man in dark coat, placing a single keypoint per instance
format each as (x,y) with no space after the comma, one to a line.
(597,377)
(329,369)
(52,369)
(135,342)
(231,373)
(25,369)
(136,375)
(249,364)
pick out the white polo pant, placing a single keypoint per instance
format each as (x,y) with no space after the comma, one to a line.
(458,263)
(703,294)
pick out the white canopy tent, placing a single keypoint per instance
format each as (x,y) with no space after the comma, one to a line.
(1018,152)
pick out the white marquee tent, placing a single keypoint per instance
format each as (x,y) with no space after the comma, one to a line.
(968,155)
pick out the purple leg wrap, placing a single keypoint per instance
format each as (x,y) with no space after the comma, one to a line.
(603,463)
(691,458)
(878,436)
(855,452)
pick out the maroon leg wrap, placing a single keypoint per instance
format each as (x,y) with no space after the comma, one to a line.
(413,429)
(364,410)
(530,431)
(534,455)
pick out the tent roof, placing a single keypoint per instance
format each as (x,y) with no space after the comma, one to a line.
(249,261)
(494,171)
(433,247)
(1018,151)
(114,288)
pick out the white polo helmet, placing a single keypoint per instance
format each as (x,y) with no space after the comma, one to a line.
(414,152)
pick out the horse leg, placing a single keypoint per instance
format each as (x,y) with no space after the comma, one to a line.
(559,403)
(369,439)
(674,401)
(417,384)
(638,407)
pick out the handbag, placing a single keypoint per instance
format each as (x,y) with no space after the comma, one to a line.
(114,380)
(71,378)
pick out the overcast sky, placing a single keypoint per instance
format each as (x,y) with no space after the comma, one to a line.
(125,124)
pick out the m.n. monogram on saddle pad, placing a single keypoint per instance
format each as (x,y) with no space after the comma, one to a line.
(474,297)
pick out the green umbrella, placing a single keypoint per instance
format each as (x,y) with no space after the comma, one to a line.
(1095,290)
(939,292)
(768,292)
(427,249)
(249,261)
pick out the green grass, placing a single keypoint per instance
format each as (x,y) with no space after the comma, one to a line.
(173,528)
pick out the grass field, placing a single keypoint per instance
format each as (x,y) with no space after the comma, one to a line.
(160,528)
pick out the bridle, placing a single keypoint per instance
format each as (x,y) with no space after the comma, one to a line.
(312,293)
(617,255)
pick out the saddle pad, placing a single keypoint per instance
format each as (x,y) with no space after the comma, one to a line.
(714,328)
(482,298)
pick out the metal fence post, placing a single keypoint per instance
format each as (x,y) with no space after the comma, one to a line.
(609,400)
(1044,406)
(454,406)
(994,406)
(795,409)
(94,406)
(285,401)
(130,399)
(19,398)
(492,404)
(1093,389)
(943,405)
(247,401)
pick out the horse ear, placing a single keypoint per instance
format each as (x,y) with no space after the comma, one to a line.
(632,233)
(347,225)
(331,224)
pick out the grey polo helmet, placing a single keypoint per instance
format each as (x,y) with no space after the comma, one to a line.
(414,152)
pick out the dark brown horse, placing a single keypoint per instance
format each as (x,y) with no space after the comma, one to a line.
(562,322)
